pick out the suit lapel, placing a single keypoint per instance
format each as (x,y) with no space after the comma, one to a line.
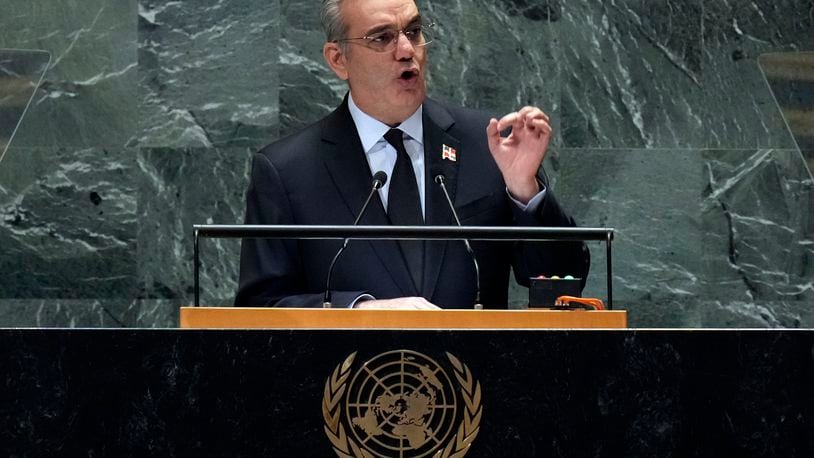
(437,122)
(350,173)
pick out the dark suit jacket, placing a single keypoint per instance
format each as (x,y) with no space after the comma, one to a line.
(321,176)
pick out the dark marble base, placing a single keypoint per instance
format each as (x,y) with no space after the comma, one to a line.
(260,393)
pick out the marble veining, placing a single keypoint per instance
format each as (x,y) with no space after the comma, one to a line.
(734,228)
(185,47)
(665,128)
(88,96)
(21,72)
(180,188)
(68,224)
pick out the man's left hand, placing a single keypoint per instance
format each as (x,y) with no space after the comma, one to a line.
(520,154)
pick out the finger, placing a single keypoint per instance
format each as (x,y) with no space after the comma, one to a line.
(424,305)
(375,305)
(534,128)
(534,113)
(421,303)
(540,126)
(493,134)
(519,124)
(526,111)
(509,120)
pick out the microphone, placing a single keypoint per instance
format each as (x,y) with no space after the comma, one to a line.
(439,178)
(379,179)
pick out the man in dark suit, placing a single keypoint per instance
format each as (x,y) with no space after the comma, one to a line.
(323,174)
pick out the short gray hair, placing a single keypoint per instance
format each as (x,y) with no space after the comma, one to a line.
(332,21)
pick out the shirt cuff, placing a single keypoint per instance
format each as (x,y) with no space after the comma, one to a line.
(534,202)
(361,298)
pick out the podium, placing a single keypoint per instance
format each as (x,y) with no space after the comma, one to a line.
(512,392)
(309,318)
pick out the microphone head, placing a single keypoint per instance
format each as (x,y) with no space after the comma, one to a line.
(437,174)
(379,179)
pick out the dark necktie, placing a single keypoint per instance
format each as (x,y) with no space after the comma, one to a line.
(404,205)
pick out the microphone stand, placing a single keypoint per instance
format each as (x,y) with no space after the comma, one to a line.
(440,180)
(379,179)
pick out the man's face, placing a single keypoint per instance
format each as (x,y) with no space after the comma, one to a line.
(386,85)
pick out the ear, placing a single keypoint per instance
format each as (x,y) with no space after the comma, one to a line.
(336,59)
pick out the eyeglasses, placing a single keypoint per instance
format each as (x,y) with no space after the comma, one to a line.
(385,40)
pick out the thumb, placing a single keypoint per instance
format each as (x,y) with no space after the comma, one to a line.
(493,135)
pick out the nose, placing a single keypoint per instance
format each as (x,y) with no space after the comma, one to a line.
(404,47)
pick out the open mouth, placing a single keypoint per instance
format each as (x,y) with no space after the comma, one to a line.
(408,75)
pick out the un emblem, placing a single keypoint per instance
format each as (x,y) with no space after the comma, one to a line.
(401,403)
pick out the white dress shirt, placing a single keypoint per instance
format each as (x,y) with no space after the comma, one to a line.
(382,156)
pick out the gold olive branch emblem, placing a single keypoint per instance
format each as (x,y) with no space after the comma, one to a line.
(331,407)
(469,427)
(345,447)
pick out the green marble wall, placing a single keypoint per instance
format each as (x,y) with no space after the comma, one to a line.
(149,113)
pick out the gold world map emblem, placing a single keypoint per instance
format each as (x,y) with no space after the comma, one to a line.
(401,404)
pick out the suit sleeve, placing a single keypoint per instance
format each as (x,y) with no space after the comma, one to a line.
(549,258)
(271,271)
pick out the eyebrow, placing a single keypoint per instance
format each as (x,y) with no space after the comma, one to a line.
(382,28)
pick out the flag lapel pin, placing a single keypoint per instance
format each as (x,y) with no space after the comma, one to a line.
(449,153)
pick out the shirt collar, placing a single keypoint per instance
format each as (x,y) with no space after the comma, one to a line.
(371,130)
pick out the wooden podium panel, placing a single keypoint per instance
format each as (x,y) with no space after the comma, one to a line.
(309,318)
